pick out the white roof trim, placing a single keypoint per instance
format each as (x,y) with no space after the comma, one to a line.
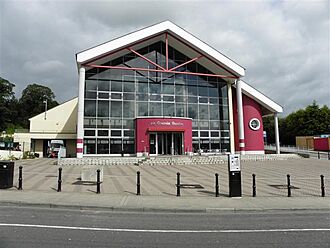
(123,41)
(266,102)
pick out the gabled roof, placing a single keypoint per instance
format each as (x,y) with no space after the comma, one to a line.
(157,29)
(268,104)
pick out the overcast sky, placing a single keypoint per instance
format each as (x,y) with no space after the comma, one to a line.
(284,45)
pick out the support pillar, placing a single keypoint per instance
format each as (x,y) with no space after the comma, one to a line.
(231,119)
(80,119)
(240,117)
(277,136)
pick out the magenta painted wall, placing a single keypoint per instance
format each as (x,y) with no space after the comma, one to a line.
(251,109)
(144,125)
(321,144)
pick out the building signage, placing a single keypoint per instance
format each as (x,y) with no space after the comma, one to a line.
(166,123)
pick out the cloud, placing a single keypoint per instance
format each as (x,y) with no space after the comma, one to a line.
(284,45)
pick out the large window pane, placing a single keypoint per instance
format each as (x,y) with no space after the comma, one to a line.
(116,86)
(102,146)
(90,108)
(192,111)
(103,122)
(142,87)
(90,122)
(142,108)
(103,85)
(129,109)
(168,109)
(91,84)
(224,113)
(203,112)
(89,146)
(155,88)
(129,146)
(115,146)
(155,109)
(116,124)
(168,89)
(180,110)
(214,112)
(116,107)
(103,108)
(129,87)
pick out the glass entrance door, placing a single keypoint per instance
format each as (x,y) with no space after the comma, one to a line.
(166,143)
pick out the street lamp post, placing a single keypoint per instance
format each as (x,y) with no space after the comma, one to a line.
(45,102)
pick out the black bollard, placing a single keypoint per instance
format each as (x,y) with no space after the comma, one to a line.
(59,182)
(216,185)
(328,155)
(322,186)
(138,183)
(254,187)
(318,155)
(98,183)
(289,185)
(20,178)
(178,184)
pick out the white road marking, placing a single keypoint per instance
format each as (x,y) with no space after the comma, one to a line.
(165,231)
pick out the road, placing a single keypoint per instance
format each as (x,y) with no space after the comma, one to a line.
(45,227)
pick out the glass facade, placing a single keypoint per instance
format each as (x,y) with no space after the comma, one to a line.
(114,98)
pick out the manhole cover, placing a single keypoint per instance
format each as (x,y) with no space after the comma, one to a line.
(282,186)
(191,186)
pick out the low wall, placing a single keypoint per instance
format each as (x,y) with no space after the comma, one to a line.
(4,154)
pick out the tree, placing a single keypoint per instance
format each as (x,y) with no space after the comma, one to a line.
(8,102)
(32,103)
(310,121)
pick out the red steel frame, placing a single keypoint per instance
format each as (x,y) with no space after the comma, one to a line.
(161,69)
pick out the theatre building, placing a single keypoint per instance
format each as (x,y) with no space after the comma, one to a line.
(161,91)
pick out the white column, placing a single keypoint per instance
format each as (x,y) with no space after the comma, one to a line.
(277,136)
(80,119)
(231,119)
(240,117)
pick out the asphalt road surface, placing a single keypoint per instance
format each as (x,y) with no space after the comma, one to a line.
(44,227)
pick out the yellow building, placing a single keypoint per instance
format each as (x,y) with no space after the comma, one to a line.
(59,123)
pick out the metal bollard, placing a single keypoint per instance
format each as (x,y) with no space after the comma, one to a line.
(322,186)
(328,155)
(98,183)
(289,185)
(254,187)
(59,182)
(20,178)
(318,155)
(216,185)
(178,184)
(138,184)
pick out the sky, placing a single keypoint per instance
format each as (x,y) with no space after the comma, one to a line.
(283,45)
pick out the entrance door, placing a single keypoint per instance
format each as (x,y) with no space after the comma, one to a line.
(166,143)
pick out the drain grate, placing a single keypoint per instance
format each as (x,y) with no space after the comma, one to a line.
(191,186)
(282,186)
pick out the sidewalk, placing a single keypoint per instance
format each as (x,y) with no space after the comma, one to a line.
(158,191)
(159,203)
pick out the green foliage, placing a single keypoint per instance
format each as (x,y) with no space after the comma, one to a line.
(311,121)
(7,103)
(32,102)
(28,155)
(16,113)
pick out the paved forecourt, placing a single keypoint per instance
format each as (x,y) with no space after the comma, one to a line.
(41,175)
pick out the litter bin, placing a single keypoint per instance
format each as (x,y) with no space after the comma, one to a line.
(6,174)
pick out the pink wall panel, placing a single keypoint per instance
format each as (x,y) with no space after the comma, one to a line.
(146,125)
(251,109)
(321,144)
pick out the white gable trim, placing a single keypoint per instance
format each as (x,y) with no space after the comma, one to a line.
(266,102)
(134,37)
